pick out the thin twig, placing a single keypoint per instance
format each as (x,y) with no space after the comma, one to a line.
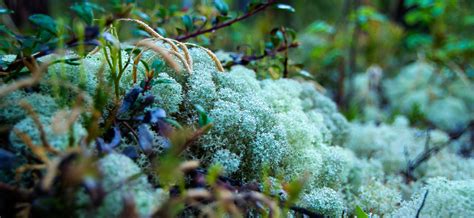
(134,133)
(244,60)
(422,204)
(36,74)
(352,56)
(259,8)
(39,125)
(285,62)
(428,153)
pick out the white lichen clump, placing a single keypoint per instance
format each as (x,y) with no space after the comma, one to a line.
(284,127)
(118,179)
(421,88)
(325,201)
(11,111)
(59,140)
(445,198)
(393,145)
(378,198)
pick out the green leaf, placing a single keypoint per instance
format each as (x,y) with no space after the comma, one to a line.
(44,22)
(277,37)
(221,19)
(253,4)
(294,190)
(143,16)
(469,20)
(213,174)
(86,11)
(291,33)
(141,33)
(203,40)
(157,65)
(285,7)
(4,29)
(321,27)
(162,13)
(145,64)
(222,7)
(173,123)
(163,81)
(359,213)
(5,11)
(161,31)
(204,119)
(188,22)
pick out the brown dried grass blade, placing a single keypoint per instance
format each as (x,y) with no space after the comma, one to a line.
(162,52)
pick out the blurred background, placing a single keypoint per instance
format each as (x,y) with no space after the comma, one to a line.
(375,58)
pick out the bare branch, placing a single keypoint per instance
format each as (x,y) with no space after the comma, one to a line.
(422,204)
(244,60)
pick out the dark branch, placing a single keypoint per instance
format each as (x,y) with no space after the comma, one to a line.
(429,152)
(422,204)
(244,60)
(259,8)
(285,62)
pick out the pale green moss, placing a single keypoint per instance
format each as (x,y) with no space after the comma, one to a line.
(449,114)
(116,169)
(58,140)
(11,111)
(324,201)
(445,199)
(378,198)
(167,92)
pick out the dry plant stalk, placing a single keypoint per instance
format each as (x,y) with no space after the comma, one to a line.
(164,54)
(187,59)
(189,165)
(36,74)
(173,52)
(145,26)
(211,54)
(38,151)
(43,137)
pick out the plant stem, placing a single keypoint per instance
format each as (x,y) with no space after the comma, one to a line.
(244,60)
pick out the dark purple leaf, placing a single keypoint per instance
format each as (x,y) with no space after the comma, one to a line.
(7,159)
(145,138)
(102,146)
(148,100)
(91,32)
(131,152)
(164,128)
(166,144)
(130,99)
(116,139)
(154,115)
